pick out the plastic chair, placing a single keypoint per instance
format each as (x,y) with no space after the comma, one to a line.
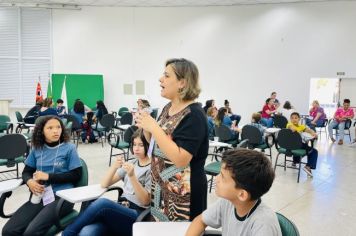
(280,121)
(255,137)
(319,128)
(107,122)
(13,150)
(290,144)
(114,141)
(225,135)
(20,123)
(5,124)
(348,124)
(288,228)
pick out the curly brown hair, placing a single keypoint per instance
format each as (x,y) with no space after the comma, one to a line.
(38,138)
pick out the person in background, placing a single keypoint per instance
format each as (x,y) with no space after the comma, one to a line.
(180,145)
(341,115)
(286,110)
(47,109)
(295,126)
(256,122)
(222,118)
(105,217)
(232,116)
(32,114)
(245,176)
(78,111)
(146,106)
(211,115)
(61,109)
(53,163)
(209,103)
(317,114)
(86,108)
(268,110)
(275,100)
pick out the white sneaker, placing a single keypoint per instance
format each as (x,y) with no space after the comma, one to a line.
(308,171)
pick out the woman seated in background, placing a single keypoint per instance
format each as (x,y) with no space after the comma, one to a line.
(47,109)
(232,116)
(211,115)
(286,110)
(100,112)
(78,111)
(317,116)
(222,118)
(209,103)
(32,114)
(52,165)
(105,217)
(268,110)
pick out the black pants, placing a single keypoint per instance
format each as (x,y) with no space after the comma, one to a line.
(34,219)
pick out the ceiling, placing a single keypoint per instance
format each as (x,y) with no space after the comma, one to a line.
(147,3)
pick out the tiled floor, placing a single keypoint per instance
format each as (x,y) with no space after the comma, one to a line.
(323,205)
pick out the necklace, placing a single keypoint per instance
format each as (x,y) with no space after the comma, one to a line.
(246,217)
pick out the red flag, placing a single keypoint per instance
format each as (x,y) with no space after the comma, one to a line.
(39,96)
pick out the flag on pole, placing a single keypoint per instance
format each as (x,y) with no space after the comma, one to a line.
(64,93)
(49,88)
(39,96)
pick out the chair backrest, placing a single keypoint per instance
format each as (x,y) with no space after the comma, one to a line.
(288,228)
(252,133)
(223,132)
(126,119)
(243,144)
(108,121)
(85,175)
(3,120)
(19,116)
(129,132)
(122,111)
(289,140)
(324,124)
(12,146)
(154,113)
(75,124)
(280,121)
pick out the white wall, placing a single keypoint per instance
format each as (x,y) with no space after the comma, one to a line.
(243,52)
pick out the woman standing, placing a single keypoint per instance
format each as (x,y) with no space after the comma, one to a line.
(180,141)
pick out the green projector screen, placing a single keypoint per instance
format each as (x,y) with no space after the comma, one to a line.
(89,88)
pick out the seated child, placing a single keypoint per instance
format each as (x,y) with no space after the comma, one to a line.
(256,122)
(105,217)
(295,126)
(244,177)
(88,134)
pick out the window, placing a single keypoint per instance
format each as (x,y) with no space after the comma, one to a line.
(25,54)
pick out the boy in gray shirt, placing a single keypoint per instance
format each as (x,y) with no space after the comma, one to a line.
(244,177)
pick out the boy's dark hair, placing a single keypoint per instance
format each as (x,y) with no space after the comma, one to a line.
(295,114)
(273,93)
(59,100)
(251,170)
(346,100)
(139,134)
(38,138)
